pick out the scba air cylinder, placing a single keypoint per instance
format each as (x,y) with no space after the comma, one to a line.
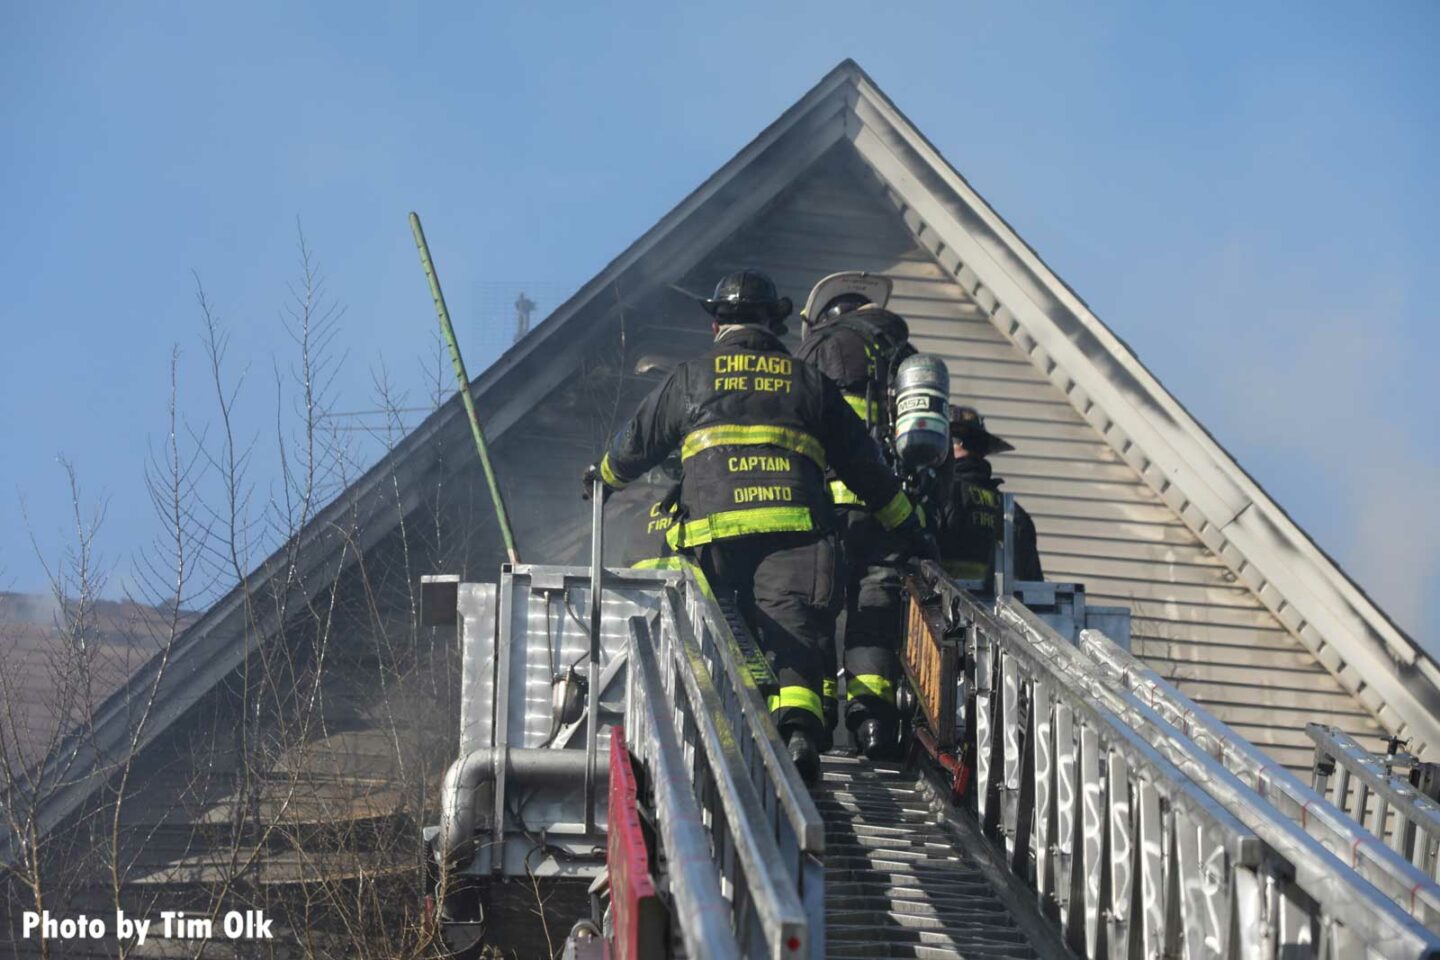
(922,412)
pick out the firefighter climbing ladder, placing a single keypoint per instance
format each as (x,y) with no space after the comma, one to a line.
(1084,806)
(1153,830)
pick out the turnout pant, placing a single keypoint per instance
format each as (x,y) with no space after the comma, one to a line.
(785,586)
(874,618)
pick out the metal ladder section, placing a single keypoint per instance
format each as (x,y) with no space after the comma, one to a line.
(1409,891)
(867,866)
(1403,817)
(1140,824)
(900,880)
(1102,800)
(697,724)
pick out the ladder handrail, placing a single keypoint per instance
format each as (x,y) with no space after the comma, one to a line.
(704,915)
(1097,819)
(1341,894)
(1046,650)
(792,816)
(767,916)
(795,800)
(1337,832)
(1052,729)
(776,900)
(1413,808)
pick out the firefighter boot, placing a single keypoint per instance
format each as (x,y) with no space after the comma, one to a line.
(875,739)
(804,753)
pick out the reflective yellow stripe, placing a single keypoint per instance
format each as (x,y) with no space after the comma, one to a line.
(739,523)
(676,563)
(839,493)
(828,688)
(966,569)
(742,435)
(870,685)
(894,513)
(859,406)
(802,698)
(607,473)
(920,515)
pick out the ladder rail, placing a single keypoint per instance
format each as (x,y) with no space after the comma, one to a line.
(743,858)
(1097,798)
(1316,881)
(1399,880)
(1417,827)
(772,891)
(704,915)
(1100,819)
(791,814)
(750,712)
(1347,907)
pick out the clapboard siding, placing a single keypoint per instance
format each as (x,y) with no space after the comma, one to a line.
(1102,532)
(1144,570)
(1057,544)
(1091,508)
(1099,522)
(1030,429)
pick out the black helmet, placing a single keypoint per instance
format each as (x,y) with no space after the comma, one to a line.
(967,426)
(838,306)
(748,296)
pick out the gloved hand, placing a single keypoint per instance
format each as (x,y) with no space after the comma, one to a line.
(915,540)
(592,473)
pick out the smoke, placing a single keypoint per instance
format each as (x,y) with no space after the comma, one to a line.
(1324,404)
(31,608)
(1396,536)
(1383,521)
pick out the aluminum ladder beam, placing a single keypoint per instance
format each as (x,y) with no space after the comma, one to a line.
(1321,819)
(1305,881)
(1415,831)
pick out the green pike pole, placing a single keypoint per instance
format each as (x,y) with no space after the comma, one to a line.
(464,381)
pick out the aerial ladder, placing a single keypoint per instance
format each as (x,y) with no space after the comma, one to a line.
(1059,798)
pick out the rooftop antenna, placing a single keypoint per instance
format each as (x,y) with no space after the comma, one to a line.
(524,306)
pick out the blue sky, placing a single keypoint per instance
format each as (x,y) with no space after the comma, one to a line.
(1247,196)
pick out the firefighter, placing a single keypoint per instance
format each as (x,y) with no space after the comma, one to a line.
(637,519)
(858,344)
(756,431)
(972,514)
